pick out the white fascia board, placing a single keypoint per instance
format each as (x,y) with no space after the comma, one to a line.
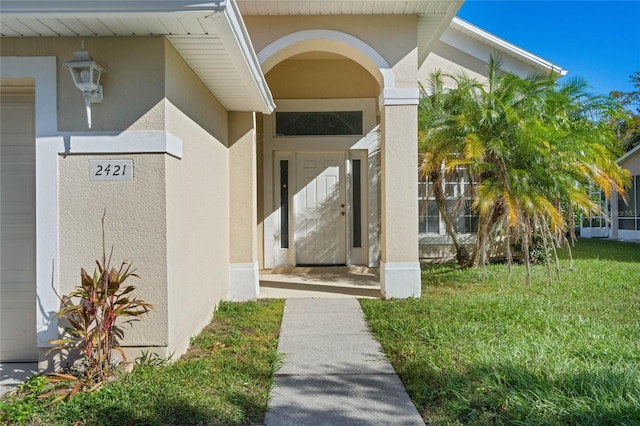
(629,154)
(238,37)
(45,7)
(497,43)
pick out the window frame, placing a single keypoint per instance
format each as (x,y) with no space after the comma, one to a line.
(633,208)
(324,113)
(461,187)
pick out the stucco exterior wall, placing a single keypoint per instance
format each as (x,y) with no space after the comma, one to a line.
(188,93)
(172,220)
(135,226)
(397,44)
(316,79)
(133,82)
(260,186)
(243,186)
(398,191)
(632,163)
(197,203)
(452,61)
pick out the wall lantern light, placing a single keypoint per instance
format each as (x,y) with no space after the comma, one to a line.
(86,76)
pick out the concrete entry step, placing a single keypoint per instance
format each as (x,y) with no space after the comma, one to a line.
(314,281)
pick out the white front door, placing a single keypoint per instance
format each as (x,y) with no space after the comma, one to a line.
(319,209)
(17,229)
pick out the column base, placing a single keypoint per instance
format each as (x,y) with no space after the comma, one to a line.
(244,282)
(400,280)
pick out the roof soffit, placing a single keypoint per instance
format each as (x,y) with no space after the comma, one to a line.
(211,37)
(432,26)
(343,7)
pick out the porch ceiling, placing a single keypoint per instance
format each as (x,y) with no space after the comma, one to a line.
(211,37)
(336,7)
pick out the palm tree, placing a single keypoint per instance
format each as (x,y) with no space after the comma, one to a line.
(534,147)
(439,142)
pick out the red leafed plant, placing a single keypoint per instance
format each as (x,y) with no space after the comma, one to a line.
(94,315)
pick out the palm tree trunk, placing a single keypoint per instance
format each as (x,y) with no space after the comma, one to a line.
(507,231)
(526,243)
(545,243)
(547,231)
(462,255)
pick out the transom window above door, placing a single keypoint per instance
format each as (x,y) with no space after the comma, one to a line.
(319,123)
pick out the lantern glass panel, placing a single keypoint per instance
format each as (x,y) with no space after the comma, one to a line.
(85,76)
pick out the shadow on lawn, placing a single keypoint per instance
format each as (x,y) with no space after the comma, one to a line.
(165,410)
(495,394)
(162,411)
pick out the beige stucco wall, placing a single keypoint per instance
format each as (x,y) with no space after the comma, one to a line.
(316,79)
(260,187)
(396,44)
(133,83)
(399,184)
(197,203)
(172,220)
(452,61)
(135,227)
(243,185)
(188,93)
(632,164)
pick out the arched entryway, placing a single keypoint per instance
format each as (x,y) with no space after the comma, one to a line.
(319,151)
(332,195)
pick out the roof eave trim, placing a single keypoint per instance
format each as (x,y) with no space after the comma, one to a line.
(503,45)
(233,30)
(628,154)
(67,7)
(250,59)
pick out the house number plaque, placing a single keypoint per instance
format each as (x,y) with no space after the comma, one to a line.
(118,170)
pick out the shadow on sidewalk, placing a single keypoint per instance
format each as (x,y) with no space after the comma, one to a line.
(13,374)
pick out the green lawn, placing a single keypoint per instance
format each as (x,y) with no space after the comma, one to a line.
(224,379)
(477,349)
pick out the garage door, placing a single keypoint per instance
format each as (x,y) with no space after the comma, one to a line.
(17,226)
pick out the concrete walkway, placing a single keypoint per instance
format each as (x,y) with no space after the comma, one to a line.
(334,372)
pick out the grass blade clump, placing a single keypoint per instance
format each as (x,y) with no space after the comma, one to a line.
(482,350)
